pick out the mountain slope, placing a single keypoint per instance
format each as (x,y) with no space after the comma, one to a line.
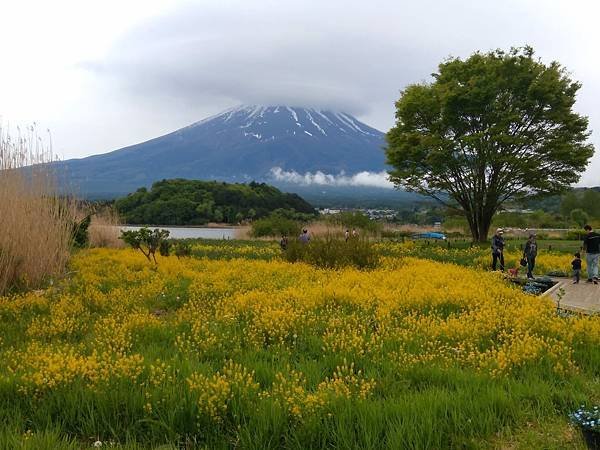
(241,144)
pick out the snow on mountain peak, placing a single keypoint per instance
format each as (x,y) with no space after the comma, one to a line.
(242,143)
(278,121)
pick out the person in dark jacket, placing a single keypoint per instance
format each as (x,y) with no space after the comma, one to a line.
(591,246)
(530,253)
(576,265)
(283,243)
(498,249)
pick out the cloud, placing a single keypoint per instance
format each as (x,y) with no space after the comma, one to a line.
(361,179)
(308,53)
(139,69)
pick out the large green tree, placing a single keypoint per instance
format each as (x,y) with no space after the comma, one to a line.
(493,127)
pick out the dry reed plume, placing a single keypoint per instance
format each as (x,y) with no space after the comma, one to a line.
(35,221)
(104,230)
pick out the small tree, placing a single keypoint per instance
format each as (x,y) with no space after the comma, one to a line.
(568,203)
(580,217)
(494,127)
(590,203)
(145,240)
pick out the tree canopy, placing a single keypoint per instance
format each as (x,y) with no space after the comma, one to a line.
(493,127)
(195,202)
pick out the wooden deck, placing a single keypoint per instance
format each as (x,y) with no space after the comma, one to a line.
(582,297)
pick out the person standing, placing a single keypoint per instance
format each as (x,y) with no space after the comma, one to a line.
(591,246)
(498,249)
(530,253)
(347,235)
(283,243)
(576,265)
(304,237)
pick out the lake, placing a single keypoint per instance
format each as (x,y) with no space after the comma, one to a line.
(193,232)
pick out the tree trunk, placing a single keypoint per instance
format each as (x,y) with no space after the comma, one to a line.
(484,229)
(479,221)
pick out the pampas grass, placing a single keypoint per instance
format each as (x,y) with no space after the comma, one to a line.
(36,223)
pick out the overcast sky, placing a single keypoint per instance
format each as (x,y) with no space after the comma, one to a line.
(103,75)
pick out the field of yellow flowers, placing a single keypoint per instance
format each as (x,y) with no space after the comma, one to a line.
(547,262)
(239,352)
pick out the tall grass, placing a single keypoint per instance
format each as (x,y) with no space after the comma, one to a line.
(35,222)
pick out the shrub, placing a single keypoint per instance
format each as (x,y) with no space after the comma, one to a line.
(183,249)
(164,248)
(145,240)
(356,219)
(575,235)
(390,234)
(80,232)
(580,217)
(332,253)
(275,225)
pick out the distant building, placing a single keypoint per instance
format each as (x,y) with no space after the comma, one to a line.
(514,210)
(329,211)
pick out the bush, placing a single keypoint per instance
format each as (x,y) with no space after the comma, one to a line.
(575,235)
(175,247)
(164,248)
(275,225)
(80,232)
(355,219)
(390,234)
(332,253)
(580,217)
(183,249)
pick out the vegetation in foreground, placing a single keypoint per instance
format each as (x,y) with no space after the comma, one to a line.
(37,225)
(244,353)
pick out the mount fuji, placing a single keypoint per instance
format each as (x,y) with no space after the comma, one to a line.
(241,144)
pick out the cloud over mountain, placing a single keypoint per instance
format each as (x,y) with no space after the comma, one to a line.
(318,178)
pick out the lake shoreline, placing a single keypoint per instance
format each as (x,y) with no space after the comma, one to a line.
(209,225)
(197,232)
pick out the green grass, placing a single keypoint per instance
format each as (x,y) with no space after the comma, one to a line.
(423,407)
(555,245)
(427,409)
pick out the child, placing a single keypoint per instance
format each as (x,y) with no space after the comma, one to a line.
(576,264)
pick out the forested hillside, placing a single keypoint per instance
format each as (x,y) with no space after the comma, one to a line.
(194,202)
